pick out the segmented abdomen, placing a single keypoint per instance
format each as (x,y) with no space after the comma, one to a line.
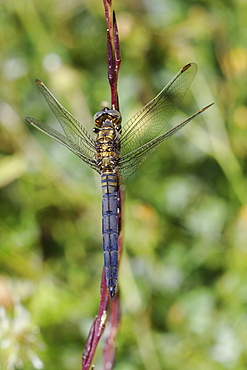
(110,229)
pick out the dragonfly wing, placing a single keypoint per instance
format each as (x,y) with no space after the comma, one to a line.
(72,128)
(130,162)
(74,147)
(152,119)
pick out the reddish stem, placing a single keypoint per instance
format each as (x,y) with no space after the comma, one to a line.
(113,52)
(98,326)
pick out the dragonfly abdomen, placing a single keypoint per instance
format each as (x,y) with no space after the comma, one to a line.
(110,229)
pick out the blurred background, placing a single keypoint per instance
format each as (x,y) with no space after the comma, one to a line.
(183,276)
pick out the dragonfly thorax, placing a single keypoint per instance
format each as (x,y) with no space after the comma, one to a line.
(107,115)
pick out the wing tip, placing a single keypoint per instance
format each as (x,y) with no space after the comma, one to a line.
(185,67)
(28,119)
(39,82)
(208,106)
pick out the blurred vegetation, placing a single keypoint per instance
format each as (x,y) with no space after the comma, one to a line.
(183,275)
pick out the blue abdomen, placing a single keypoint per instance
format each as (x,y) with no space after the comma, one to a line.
(110,229)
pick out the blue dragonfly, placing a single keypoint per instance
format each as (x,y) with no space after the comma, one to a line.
(116,152)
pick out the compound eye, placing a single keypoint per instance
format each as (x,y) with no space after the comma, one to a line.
(115,116)
(99,118)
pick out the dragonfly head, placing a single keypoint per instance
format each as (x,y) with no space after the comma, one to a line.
(107,115)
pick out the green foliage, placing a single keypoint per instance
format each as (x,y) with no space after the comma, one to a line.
(184,268)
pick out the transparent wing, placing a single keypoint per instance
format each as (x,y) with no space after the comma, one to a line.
(130,162)
(74,147)
(73,129)
(152,119)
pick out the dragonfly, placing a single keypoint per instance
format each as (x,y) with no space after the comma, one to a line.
(116,152)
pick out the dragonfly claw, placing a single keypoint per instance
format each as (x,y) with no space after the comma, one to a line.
(112,291)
